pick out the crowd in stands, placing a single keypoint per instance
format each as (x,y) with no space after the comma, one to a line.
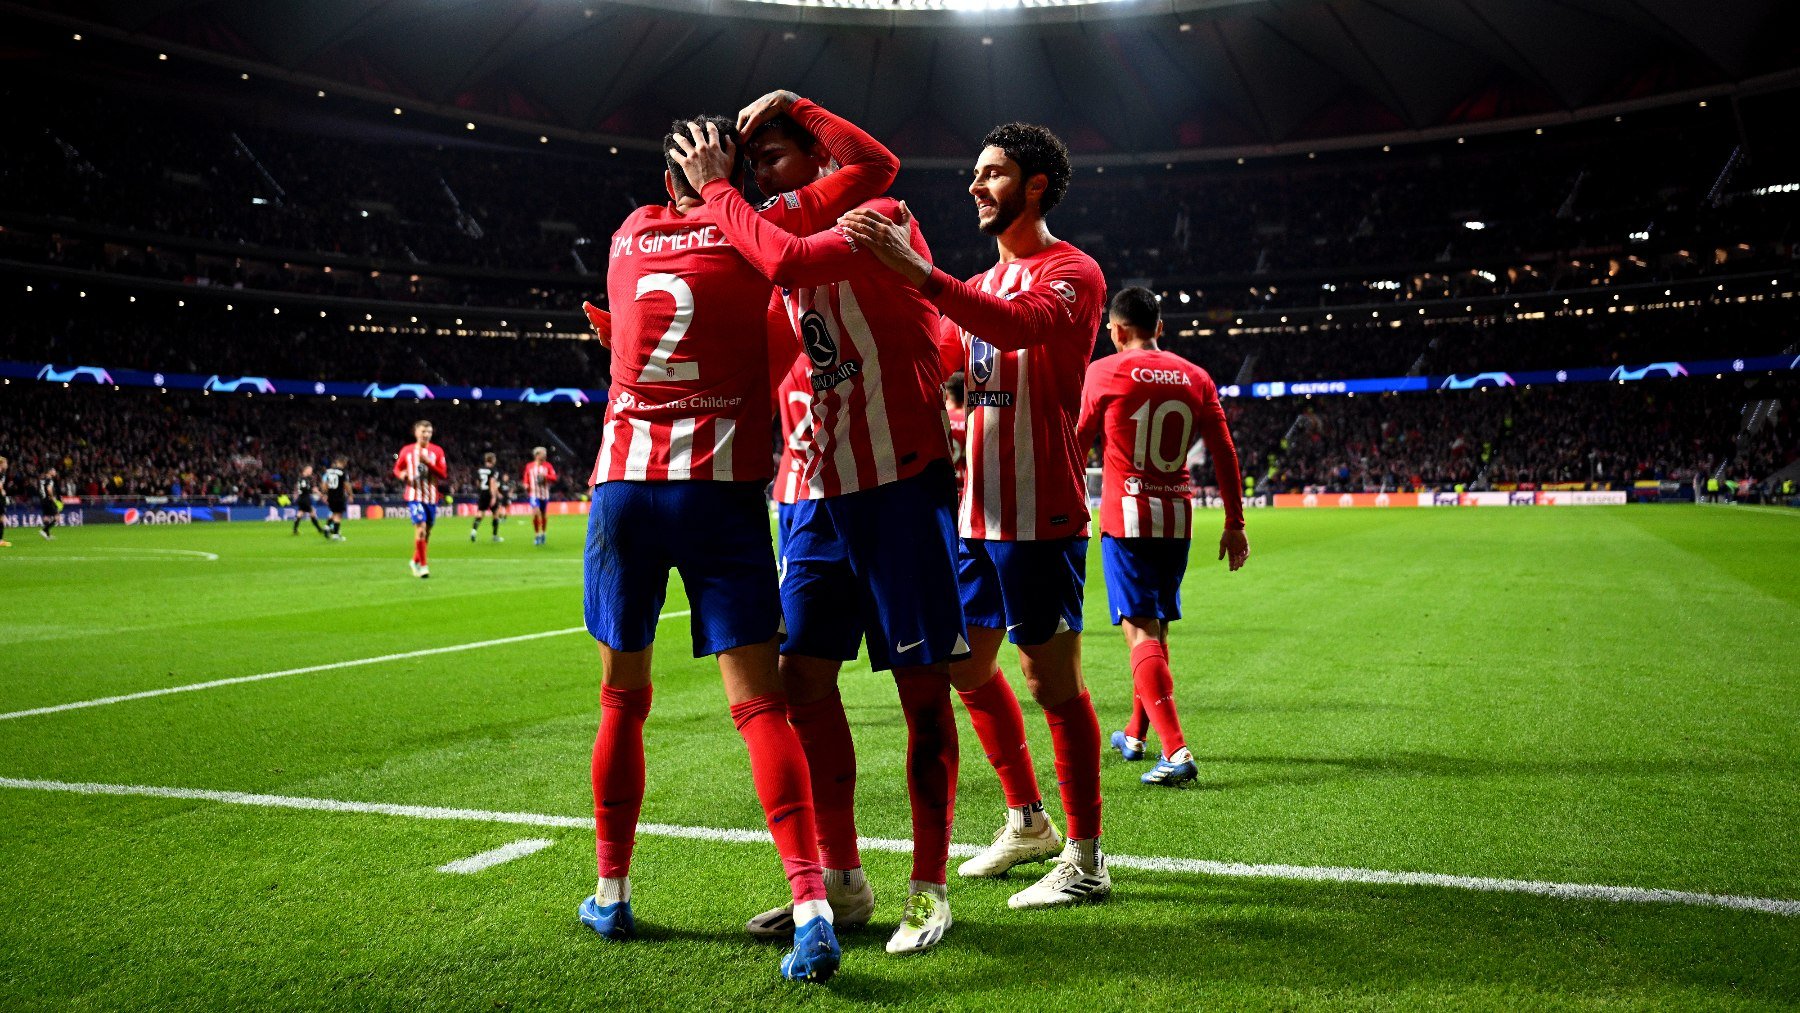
(135,442)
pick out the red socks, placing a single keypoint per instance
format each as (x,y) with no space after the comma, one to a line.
(831,757)
(931,766)
(1140,718)
(1075,735)
(419,550)
(994,711)
(778,766)
(1154,687)
(618,776)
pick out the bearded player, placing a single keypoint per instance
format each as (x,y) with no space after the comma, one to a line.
(1027,327)
(419,466)
(1148,404)
(678,483)
(870,551)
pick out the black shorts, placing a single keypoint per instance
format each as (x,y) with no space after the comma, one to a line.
(304,504)
(50,507)
(484,503)
(338,504)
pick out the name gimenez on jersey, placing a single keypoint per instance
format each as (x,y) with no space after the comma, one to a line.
(666,242)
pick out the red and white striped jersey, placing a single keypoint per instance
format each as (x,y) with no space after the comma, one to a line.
(690,397)
(1151,405)
(1028,328)
(869,338)
(415,467)
(793,408)
(537,478)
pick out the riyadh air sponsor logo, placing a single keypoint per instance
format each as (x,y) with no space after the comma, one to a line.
(412,390)
(1454,382)
(93,374)
(981,360)
(571,395)
(1668,369)
(257,384)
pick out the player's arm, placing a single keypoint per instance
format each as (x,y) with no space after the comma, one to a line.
(1093,412)
(440,462)
(600,321)
(788,260)
(1217,436)
(866,168)
(400,462)
(1030,318)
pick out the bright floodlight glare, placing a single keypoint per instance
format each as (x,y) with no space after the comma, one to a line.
(937,5)
(1474,226)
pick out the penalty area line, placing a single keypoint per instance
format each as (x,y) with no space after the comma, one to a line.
(504,853)
(1191,866)
(193,687)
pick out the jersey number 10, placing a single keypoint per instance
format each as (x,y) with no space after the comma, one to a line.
(1151,428)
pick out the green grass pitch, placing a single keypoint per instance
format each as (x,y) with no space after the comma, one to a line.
(1598,695)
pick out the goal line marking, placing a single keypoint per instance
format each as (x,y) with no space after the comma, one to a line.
(1192,866)
(283,673)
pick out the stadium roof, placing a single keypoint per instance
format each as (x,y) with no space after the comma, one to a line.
(1120,79)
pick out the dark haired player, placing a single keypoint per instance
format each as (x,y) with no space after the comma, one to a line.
(956,417)
(1028,328)
(870,552)
(303,503)
(487,496)
(49,503)
(1149,403)
(538,475)
(419,465)
(678,484)
(337,496)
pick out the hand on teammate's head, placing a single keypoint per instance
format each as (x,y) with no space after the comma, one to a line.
(763,110)
(704,154)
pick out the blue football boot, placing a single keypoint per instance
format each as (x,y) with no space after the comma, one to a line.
(613,921)
(1123,743)
(815,956)
(1172,773)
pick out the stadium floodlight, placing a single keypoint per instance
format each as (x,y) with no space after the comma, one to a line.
(1474,226)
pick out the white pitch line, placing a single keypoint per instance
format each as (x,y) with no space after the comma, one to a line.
(489,859)
(330,666)
(1194,866)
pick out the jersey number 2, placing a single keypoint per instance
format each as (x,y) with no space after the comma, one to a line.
(658,368)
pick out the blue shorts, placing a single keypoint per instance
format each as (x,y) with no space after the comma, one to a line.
(784,523)
(1143,576)
(715,534)
(880,564)
(1031,589)
(539,505)
(422,513)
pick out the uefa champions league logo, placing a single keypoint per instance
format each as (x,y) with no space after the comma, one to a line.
(70,375)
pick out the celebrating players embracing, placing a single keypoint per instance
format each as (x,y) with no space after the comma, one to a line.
(869,545)
(1149,403)
(678,484)
(1027,328)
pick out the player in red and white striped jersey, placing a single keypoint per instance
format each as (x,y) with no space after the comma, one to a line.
(1028,328)
(538,475)
(956,416)
(871,547)
(678,485)
(1151,405)
(420,465)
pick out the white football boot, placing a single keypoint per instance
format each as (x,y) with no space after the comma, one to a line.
(1078,874)
(851,898)
(923,922)
(1028,836)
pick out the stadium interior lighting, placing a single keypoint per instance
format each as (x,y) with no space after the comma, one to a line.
(77,36)
(1474,226)
(398,110)
(163,57)
(1185,298)
(321,93)
(468,126)
(259,200)
(938,5)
